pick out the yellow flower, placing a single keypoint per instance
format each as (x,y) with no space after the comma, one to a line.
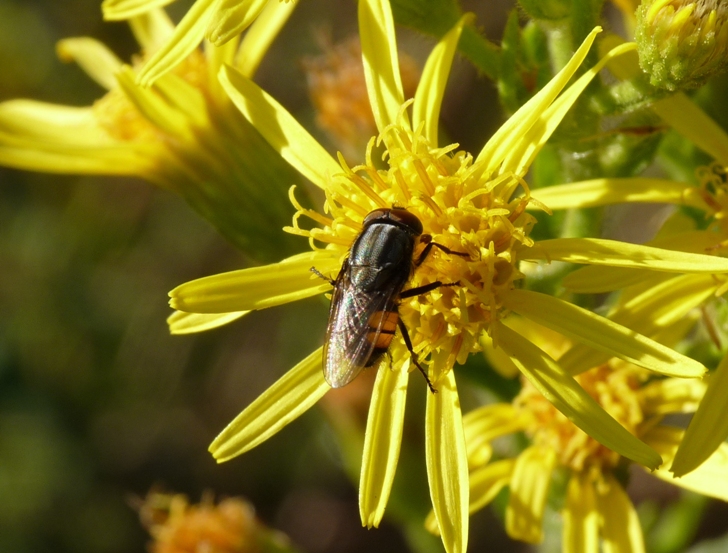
(596,505)
(183,134)
(219,21)
(671,297)
(469,204)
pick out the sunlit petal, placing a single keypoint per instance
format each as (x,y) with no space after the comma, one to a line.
(529,488)
(280,128)
(708,428)
(581,519)
(430,91)
(286,400)
(118,10)
(568,397)
(447,465)
(381,64)
(257,287)
(621,530)
(261,34)
(99,63)
(232,17)
(382,442)
(190,323)
(600,333)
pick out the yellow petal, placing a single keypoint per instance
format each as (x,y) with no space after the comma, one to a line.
(684,115)
(255,288)
(621,530)
(381,64)
(151,29)
(382,441)
(153,106)
(190,323)
(280,128)
(232,17)
(485,424)
(261,34)
(599,192)
(708,428)
(59,139)
(581,518)
(599,279)
(600,333)
(529,489)
(116,10)
(710,478)
(485,484)
(512,131)
(568,397)
(519,159)
(431,89)
(97,61)
(282,403)
(596,251)
(662,305)
(671,395)
(186,38)
(447,464)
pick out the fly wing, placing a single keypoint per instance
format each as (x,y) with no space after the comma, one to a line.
(347,348)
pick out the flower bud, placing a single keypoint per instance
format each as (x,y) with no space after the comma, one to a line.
(680,43)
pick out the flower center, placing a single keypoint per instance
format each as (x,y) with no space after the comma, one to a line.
(461,208)
(614,390)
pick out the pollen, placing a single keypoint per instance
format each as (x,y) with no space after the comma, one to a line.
(462,208)
(615,390)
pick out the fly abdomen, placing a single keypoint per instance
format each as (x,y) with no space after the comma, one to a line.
(382,326)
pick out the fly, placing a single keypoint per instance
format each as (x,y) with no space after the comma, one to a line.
(364,315)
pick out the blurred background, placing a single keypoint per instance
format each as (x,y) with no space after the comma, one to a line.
(99,404)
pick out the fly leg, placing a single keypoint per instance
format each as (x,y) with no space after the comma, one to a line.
(319,274)
(426,238)
(408,343)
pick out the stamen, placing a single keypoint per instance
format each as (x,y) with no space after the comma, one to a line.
(424,177)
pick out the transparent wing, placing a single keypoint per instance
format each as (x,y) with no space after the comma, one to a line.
(347,348)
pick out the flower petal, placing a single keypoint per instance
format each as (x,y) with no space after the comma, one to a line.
(232,17)
(118,10)
(684,115)
(431,89)
(599,192)
(671,395)
(512,131)
(708,428)
(282,403)
(581,518)
(381,64)
(382,441)
(97,61)
(190,323)
(596,251)
(621,529)
(520,158)
(447,464)
(485,424)
(529,488)
(261,34)
(568,397)
(485,484)
(600,333)
(710,478)
(255,288)
(186,38)
(662,305)
(151,29)
(280,128)
(60,139)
